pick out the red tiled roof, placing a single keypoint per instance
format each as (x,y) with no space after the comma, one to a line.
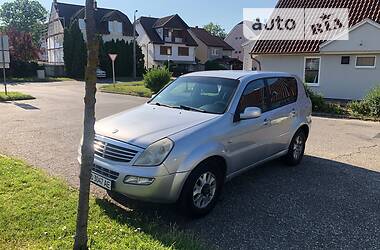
(359,10)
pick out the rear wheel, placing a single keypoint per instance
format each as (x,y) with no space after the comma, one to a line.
(296,149)
(201,190)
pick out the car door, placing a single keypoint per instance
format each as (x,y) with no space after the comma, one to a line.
(282,111)
(247,141)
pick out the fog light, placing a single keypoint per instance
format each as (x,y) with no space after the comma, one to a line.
(136,180)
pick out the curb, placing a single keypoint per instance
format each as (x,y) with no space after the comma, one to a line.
(362,118)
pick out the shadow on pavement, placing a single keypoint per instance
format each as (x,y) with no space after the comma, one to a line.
(319,204)
(25,106)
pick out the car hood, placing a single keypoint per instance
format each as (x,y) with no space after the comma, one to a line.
(143,125)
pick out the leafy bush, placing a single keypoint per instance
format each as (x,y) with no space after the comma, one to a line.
(23,69)
(369,106)
(320,105)
(156,79)
(213,65)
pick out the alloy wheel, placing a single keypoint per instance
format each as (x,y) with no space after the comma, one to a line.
(204,190)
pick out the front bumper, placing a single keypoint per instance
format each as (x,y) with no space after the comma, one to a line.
(166,188)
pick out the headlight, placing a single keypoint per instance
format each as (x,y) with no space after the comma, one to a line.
(156,153)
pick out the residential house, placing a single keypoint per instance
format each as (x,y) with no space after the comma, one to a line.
(110,24)
(236,39)
(165,40)
(209,47)
(338,69)
(249,62)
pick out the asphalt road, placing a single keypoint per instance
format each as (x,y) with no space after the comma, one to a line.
(332,200)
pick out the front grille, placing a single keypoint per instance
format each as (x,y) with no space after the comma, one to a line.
(113,152)
(112,175)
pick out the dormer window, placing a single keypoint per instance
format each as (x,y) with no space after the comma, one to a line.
(115,27)
(82,24)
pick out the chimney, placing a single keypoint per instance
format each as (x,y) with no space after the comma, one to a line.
(95,5)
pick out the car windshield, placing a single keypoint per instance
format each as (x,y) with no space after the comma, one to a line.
(200,94)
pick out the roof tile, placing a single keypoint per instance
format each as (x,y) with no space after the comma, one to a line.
(359,10)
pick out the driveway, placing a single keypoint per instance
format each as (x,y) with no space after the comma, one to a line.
(331,201)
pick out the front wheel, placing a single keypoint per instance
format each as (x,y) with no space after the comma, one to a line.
(296,149)
(201,190)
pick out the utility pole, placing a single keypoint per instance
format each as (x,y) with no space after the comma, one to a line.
(3,58)
(134,45)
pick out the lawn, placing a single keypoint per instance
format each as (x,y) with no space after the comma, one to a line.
(128,88)
(14,96)
(38,212)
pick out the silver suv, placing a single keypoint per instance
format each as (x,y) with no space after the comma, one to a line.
(199,132)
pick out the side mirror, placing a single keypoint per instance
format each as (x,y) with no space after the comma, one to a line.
(250,113)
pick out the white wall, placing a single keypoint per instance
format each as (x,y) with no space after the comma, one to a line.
(235,39)
(146,47)
(54,40)
(174,56)
(247,60)
(365,38)
(337,80)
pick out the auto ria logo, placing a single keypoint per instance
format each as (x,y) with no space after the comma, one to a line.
(296,24)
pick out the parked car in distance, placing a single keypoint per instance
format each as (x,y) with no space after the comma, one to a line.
(199,132)
(100,73)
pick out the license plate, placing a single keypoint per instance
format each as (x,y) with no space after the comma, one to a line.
(101,181)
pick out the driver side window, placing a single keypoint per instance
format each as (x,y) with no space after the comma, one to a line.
(254,95)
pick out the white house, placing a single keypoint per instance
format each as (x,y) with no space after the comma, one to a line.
(338,69)
(236,40)
(110,24)
(166,39)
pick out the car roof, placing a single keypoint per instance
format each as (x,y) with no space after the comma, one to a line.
(237,74)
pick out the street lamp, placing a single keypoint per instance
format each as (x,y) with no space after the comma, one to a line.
(134,45)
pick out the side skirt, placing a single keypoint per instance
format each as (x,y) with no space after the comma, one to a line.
(275,156)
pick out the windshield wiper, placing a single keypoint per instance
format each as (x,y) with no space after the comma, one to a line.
(184,107)
(163,105)
(192,108)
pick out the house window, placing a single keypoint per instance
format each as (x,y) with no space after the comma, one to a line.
(345,60)
(312,70)
(115,27)
(214,52)
(365,62)
(82,24)
(165,50)
(183,51)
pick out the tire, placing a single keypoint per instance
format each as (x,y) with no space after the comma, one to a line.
(296,149)
(201,203)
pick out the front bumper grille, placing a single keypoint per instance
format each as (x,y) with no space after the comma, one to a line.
(112,175)
(113,152)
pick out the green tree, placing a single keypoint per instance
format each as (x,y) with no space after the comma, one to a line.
(74,51)
(24,15)
(124,60)
(87,149)
(215,29)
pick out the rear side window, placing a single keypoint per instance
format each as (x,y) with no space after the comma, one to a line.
(282,91)
(254,96)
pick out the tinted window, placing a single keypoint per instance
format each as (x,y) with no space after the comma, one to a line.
(207,94)
(254,96)
(282,91)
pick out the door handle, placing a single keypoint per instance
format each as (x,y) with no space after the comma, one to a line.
(293,113)
(266,122)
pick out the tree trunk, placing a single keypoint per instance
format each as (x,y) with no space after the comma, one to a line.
(88,129)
